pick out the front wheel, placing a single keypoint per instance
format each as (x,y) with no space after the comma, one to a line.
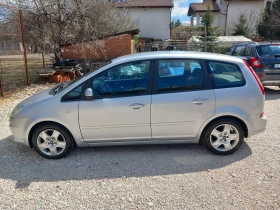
(223,137)
(52,141)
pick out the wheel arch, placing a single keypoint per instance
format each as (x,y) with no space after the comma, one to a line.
(225,117)
(46,122)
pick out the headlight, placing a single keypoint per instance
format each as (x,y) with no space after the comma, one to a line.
(16,111)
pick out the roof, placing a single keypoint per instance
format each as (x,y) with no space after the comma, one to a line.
(146,3)
(223,39)
(132,32)
(234,39)
(202,7)
(174,54)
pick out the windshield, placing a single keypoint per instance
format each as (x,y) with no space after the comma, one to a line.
(57,89)
(268,50)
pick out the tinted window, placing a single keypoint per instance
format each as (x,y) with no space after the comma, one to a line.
(247,51)
(238,50)
(267,50)
(179,75)
(123,80)
(229,51)
(224,75)
(74,94)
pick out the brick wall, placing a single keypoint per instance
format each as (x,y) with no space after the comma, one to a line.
(105,49)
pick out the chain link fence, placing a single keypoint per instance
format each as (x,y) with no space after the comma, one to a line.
(12,69)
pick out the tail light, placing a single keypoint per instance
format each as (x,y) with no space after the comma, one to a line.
(259,76)
(255,62)
(255,76)
(262,114)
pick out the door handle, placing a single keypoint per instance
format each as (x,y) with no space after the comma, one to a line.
(136,105)
(200,101)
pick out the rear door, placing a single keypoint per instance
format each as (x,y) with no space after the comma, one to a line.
(182,99)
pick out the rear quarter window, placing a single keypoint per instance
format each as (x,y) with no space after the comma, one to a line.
(225,75)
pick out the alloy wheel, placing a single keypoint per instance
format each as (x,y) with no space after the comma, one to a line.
(224,137)
(51,142)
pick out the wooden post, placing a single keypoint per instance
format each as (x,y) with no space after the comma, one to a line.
(1,87)
(43,57)
(23,46)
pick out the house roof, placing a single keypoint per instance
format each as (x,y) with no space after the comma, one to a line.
(202,7)
(146,3)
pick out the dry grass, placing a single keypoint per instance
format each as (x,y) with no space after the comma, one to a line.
(13,71)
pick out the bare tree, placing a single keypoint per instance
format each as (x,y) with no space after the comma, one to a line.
(52,23)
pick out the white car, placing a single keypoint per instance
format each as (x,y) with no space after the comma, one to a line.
(216,99)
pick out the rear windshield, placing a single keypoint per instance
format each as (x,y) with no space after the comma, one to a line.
(268,50)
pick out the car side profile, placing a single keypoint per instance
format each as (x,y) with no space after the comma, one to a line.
(264,59)
(147,98)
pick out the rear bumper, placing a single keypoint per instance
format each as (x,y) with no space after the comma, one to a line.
(271,83)
(257,125)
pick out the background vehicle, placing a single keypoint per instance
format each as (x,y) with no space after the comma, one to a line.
(211,98)
(264,59)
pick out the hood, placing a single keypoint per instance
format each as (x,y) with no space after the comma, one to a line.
(36,99)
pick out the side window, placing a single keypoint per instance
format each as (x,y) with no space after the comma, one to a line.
(225,75)
(123,80)
(238,51)
(247,51)
(74,94)
(229,51)
(179,75)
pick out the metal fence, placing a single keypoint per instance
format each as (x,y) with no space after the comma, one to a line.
(18,62)
(214,47)
(16,72)
(13,74)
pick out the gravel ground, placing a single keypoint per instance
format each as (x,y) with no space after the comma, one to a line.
(142,177)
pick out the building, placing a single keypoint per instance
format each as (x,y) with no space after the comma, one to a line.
(153,17)
(227,13)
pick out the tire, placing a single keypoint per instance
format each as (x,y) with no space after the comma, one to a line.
(52,141)
(223,137)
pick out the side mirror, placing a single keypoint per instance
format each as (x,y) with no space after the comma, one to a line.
(88,95)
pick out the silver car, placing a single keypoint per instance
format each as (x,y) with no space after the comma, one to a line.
(214,99)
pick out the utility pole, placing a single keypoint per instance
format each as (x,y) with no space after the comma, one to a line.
(23,46)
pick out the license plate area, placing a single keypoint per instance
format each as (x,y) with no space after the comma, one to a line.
(277,66)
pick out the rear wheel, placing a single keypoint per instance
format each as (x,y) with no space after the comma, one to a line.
(223,137)
(52,141)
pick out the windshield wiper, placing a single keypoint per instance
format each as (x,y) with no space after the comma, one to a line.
(61,86)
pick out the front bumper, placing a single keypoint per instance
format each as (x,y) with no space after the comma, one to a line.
(19,128)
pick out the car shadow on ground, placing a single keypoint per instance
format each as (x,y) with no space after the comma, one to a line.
(25,166)
(272,94)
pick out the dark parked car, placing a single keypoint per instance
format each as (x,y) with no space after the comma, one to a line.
(264,59)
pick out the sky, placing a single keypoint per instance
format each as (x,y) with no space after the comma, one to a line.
(180,10)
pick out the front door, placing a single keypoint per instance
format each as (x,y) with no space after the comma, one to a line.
(182,101)
(120,110)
